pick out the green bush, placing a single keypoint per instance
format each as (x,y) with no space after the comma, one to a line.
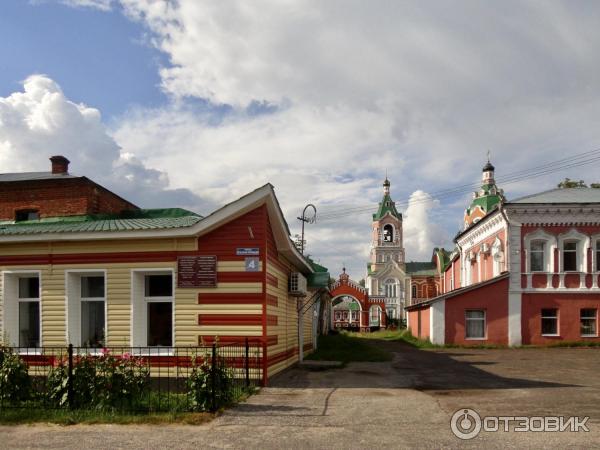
(201,382)
(103,382)
(15,384)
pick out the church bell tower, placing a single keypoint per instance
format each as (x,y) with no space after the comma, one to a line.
(386,242)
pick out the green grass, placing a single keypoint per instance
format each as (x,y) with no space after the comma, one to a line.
(65,417)
(347,347)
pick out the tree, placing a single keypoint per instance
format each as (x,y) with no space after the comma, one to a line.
(568,183)
(362,282)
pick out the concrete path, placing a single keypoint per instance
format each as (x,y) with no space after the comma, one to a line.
(407,403)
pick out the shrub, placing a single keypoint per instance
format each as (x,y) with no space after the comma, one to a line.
(15,384)
(104,382)
(203,379)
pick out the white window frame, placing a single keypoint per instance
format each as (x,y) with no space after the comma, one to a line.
(594,317)
(10,278)
(549,247)
(594,243)
(138,298)
(484,320)
(556,317)
(378,309)
(582,242)
(73,294)
(390,286)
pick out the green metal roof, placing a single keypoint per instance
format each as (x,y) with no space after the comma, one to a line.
(143,219)
(320,277)
(420,268)
(386,205)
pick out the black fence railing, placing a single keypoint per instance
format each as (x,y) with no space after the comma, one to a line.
(151,379)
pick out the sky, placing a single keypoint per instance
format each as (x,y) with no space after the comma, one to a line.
(193,103)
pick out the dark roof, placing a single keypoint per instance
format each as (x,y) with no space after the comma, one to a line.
(143,219)
(30,176)
(421,268)
(488,166)
(562,195)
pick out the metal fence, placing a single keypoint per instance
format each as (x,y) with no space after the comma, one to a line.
(150,379)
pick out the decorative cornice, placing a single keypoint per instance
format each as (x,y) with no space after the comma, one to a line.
(482,230)
(558,215)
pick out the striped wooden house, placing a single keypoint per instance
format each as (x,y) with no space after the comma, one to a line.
(80,265)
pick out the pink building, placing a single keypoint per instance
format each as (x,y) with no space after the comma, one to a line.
(523,271)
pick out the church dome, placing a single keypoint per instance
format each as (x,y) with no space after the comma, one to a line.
(386,183)
(488,166)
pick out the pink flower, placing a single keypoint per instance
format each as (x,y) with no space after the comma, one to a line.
(126,355)
(105,351)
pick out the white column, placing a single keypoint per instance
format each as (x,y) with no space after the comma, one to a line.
(514,286)
(437,323)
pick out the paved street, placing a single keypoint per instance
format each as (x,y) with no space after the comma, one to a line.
(405,403)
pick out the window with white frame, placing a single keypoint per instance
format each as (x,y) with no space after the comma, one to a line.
(390,288)
(537,250)
(475,324)
(86,308)
(375,314)
(152,308)
(354,315)
(29,311)
(93,305)
(597,258)
(549,322)
(158,292)
(588,320)
(338,315)
(414,291)
(570,256)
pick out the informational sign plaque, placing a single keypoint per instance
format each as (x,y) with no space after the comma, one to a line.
(247,251)
(252,264)
(197,271)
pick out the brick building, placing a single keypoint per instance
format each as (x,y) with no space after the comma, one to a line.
(523,271)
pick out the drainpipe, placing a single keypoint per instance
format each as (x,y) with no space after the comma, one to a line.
(300,332)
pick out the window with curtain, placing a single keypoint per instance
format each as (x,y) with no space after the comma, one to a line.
(475,324)
(536,256)
(588,322)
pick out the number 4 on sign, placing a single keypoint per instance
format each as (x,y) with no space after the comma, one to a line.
(252,264)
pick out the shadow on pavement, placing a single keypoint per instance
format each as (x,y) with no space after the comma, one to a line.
(411,368)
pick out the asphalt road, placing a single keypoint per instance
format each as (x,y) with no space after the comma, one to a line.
(405,403)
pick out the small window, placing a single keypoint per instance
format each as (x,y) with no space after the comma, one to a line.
(92,287)
(475,324)
(414,291)
(27,214)
(29,287)
(338,315)
(158,286)
(570,256)
(550,322)
(588,322)
(537,256)
(598,256)
(354,315)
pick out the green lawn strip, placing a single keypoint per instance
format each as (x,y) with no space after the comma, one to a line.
(347,348)
(65,417)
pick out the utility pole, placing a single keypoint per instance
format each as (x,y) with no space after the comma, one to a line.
(304,220)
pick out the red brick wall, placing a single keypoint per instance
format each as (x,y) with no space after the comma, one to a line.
(416,317)
(492,298)
(60,197)
(569,307)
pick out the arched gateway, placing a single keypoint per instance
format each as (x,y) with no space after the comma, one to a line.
(351,307)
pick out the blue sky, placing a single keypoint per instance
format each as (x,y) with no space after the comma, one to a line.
(99,58)
(194,103)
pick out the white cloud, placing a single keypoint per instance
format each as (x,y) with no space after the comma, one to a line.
(40,122)
(420,239)
(423,89)
(102,5)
